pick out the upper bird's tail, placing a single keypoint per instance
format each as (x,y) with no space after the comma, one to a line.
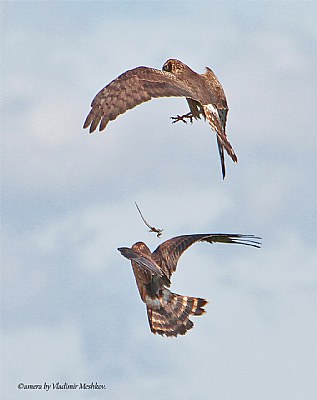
(170,315)
(215,124)
(222,157)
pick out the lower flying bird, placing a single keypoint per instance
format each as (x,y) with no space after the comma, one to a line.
(168,312)
(203,92)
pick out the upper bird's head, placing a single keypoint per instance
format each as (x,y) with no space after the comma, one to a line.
(175,67)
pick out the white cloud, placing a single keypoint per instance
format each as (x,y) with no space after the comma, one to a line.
(61,359)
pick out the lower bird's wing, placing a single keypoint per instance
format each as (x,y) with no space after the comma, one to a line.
(141,261)
(168,253)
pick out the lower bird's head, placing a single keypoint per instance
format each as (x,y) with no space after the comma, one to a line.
(141,248)
(136,250)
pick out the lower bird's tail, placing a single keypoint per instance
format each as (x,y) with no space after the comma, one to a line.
(169,315)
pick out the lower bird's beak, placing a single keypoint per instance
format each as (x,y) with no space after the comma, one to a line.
(124,250)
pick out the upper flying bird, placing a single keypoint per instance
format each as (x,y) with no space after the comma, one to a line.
(168,313)
(203,92)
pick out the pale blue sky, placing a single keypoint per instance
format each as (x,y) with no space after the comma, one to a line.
(70,308)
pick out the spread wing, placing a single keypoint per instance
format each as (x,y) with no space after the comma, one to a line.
(142,261)
(148,275)
(167,254)
(130,89)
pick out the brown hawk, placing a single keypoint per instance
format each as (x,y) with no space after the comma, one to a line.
(204,94)
(168,312)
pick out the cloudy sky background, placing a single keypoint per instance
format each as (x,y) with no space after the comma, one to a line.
(70,308)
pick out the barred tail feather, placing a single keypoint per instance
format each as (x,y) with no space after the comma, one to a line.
(215,124)
(222,157)
(171,316)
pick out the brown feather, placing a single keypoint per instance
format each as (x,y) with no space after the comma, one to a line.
(130,89)
(141,84)
(168,312)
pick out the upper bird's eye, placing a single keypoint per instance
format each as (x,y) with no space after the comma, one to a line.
(167,67)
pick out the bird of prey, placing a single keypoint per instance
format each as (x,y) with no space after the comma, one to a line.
(203,92)
(168,312)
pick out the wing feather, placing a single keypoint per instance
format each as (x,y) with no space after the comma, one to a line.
(168,253)
(141,261)
(130,89)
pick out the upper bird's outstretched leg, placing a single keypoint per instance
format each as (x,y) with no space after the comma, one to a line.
(183,118)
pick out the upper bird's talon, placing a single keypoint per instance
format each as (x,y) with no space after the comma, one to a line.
(183,118)
(177,119)
(203,92)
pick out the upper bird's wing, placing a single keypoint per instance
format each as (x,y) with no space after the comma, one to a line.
(167,254)
(130,89)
